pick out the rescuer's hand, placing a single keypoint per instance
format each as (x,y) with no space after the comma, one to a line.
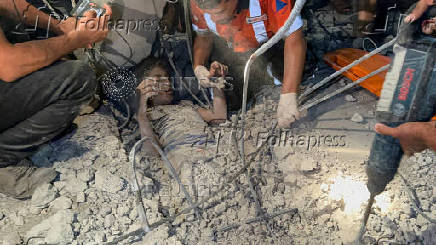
(287,111)
(216,70)
(411,135)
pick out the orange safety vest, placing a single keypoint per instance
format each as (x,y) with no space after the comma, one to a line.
(256,21)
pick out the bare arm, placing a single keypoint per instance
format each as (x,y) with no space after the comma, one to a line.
(202,49)
(294,58)
(29,15)
(21,59)
(219,111)
(145,126)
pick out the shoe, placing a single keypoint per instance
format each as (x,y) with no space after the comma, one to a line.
(21,180)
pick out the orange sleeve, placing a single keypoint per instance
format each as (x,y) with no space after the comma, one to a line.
(198,22)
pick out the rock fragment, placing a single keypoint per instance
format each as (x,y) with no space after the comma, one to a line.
(108,182)
(80,197)
(62,203)
(43,195)
(109,221)
(56,229)
(17,219)
(350,98)
(357,118)
(12,238)
(100,237)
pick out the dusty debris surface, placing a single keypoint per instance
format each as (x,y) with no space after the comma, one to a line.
(308,193)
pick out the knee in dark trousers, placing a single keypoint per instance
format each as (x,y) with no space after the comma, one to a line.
(40,106)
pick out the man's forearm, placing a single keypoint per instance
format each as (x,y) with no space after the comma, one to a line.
(294,58)
(22,59)
(202,48)
(28,14)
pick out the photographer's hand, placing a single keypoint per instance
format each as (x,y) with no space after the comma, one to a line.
(90,29)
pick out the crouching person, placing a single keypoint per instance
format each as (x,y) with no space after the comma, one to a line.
(39,95)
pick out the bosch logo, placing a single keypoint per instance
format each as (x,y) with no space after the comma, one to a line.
(405,88)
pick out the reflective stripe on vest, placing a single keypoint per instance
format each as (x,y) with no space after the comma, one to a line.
(258,27)
(210,23)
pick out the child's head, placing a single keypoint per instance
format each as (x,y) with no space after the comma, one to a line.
(157,70)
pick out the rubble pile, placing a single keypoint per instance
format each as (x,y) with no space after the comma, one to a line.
(306,195)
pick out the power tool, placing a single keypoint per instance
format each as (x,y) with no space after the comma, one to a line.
(408,95)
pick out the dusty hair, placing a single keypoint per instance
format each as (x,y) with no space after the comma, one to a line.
(151,62)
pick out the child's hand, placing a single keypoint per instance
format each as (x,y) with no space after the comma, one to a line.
(429,26)
(148,88)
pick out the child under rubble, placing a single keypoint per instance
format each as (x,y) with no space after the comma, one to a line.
(179,129)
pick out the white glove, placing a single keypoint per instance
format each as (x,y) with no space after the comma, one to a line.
(287,111)
(202,74)
(216,70)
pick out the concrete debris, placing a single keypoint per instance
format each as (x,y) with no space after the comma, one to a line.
(80,197)
(350,98)
(56,229)
(43,195)
(12,238)
(357,118)
(108,182)
(62,203)
(91,203)
(17,219)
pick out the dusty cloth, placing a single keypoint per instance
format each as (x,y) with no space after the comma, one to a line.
(182,132)
(40,106)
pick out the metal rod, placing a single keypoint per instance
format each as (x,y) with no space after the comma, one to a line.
(365,219)
(346,68)
(328,96)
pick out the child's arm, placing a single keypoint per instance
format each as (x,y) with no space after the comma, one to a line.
(219,111)
(419,10)
(146,91)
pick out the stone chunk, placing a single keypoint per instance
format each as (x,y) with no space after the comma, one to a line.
(108,182)
(62,203)
(57,229)
(43,195)
(350,98)
(357,118)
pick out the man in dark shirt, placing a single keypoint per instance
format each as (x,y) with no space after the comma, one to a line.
(40,95)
